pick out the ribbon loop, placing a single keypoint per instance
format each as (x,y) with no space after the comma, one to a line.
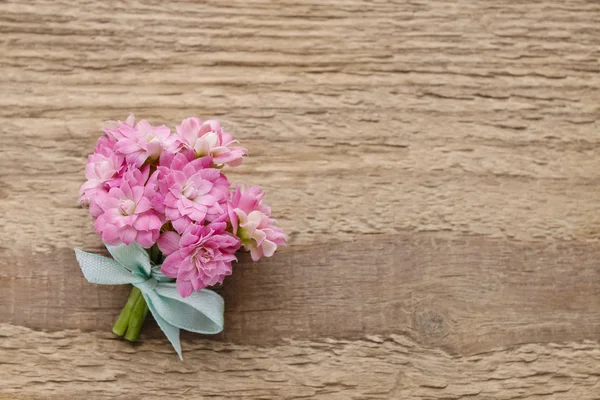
(133,257)
(201,312)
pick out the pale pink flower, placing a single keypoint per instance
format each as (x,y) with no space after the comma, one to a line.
(200,257)
(167,158)
(192,192)
(153,193)
(113,129)
(105,144)
(209,139)
(143,142)
(102,172)
(166,163)
(249,199)
(251,222)
(115,125)
(126,212)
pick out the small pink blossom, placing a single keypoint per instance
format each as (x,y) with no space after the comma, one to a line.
(209,139)
(105,144)
(200,257)
(115,125)
(251,222)
(113,129)
(249,199)
(192,192)
(102,172)
(167,159)
(143,142)
(126,212)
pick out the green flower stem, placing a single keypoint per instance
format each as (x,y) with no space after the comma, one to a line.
(134,313)
(120,326)
(138,316)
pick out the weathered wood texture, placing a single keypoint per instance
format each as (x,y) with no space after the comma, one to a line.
(378,367)
(436,165)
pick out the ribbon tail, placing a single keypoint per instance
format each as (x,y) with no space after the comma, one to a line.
(171,331)
(201,312)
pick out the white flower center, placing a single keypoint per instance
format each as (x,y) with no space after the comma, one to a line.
(211,138)
(150,137)
(188,190)
(127,207)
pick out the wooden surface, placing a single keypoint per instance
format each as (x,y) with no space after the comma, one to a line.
(436,165)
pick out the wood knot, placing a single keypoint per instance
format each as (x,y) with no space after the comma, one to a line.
(430,325)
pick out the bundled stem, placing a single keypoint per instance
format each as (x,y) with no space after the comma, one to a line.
(138,316)
(122,323)
(134,313)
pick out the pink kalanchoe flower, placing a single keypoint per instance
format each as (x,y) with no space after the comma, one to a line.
(143,142)
(105,144)
(126,212)
(112,129)
(192,192)
(115,125)
(249,199)
(102,172)
(209,139)
(200,257)
(251,222)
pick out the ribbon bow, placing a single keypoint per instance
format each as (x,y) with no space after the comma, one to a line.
(201,312)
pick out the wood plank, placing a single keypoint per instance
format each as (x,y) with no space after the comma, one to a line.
(380,367)
(465,295)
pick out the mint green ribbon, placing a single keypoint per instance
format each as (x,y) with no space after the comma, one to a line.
(201,312)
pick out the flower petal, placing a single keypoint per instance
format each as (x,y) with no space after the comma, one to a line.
(170,267)
(268,248)
(168,242)
(128,235)
(184,288)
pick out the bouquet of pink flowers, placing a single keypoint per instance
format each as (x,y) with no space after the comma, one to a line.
(172,221)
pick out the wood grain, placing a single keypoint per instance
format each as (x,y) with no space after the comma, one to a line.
(378,367)
(466,296)
(435,164)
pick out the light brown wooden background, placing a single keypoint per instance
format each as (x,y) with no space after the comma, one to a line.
(435,163)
